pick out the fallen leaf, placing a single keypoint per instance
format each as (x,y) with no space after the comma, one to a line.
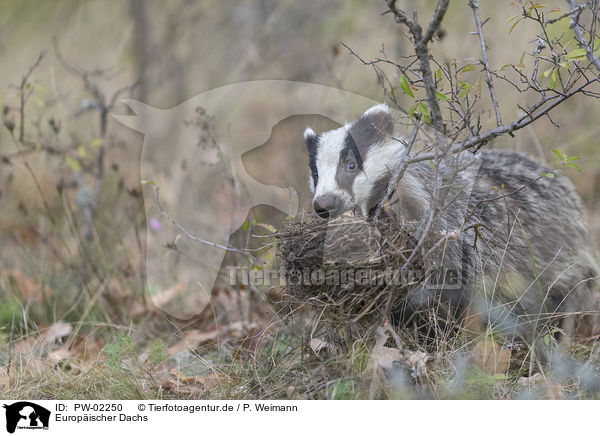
(26,346)
(165,297)
(384,357)
(195,338)
(192,340)
(157,301)
(192,384)
(56,331)
(488,356)
(530,381)
(417,361)
(318,345)
(60,355)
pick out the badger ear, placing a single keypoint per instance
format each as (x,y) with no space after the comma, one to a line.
(310,139)
(378,118)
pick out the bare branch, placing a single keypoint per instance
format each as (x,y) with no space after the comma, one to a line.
(23,93)
(188,234)
(436,20)
(399,172)
(474,4)
(578,29)
(421,42)
(536,113)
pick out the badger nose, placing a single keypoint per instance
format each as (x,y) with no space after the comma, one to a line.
(327,205)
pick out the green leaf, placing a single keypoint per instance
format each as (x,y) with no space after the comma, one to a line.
(505,66)
(466,68)
(465,88)
(441,96)
(537,5)
(513,26)
(576,54)
(438,74)
(547,72)
(574,166)
(38,102)
(405,86)
(514,17)
(431,164)
(82,152)
(421,108)
(268,227)
(553,79)
(73,164)
(97,142)
(246,225)
(549,175)
(559,154)
(522,58)
(570,158)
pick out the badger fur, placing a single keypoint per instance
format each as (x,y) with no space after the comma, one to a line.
(523,259)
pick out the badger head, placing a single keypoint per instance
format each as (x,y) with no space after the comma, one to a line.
(351,166)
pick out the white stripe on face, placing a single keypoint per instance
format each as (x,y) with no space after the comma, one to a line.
(328,157)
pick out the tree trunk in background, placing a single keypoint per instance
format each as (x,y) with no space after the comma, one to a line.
(142,45)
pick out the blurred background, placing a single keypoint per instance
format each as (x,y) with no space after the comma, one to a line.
(72,248)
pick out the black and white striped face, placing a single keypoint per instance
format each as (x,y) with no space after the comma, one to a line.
(350,166)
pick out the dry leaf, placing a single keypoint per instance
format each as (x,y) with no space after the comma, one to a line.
(488,356)
(56,331)
(417,361)
(26,346)
(190,384)
(59,355)
(86,348)
(165,297)
(530,381)
(318,345)
(195,338)
(382,356)
(157,301)
(192,340)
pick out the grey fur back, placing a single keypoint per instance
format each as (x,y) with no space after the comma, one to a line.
(524,259)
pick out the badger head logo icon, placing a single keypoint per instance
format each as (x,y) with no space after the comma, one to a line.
(24,414)
(196,189)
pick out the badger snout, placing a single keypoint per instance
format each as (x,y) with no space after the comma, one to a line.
(327,205)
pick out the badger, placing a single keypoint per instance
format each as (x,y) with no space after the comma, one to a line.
(522,248)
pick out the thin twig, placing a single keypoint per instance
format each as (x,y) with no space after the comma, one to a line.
(391,186)
(474,4)
(24,81)
(189,235)
(578,30)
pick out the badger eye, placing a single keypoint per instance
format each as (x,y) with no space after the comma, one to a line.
(351,166)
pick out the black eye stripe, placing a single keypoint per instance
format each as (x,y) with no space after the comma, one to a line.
(312,158)
(351,147)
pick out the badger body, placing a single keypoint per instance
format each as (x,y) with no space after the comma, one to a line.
(521,248)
